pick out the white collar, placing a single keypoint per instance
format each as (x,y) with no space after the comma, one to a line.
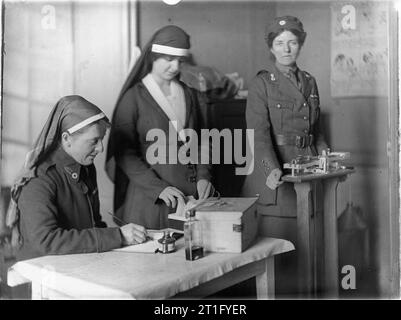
(157,94)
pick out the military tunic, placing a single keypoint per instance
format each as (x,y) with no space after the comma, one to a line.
(59,211)
(285,118)
(285,122)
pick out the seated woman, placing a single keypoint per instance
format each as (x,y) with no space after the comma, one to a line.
(153,98)
(55,202)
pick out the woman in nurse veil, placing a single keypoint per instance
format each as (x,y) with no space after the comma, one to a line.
(153,98)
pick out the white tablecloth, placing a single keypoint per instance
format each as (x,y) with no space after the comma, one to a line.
(121,275)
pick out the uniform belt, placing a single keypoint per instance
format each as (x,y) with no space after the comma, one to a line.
(303,141)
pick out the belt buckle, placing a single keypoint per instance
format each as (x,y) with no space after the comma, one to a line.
(300,142)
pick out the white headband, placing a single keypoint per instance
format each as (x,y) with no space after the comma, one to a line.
(158,48)
(85,122)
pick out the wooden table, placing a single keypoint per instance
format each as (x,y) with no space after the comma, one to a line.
(125,275)
(309,247)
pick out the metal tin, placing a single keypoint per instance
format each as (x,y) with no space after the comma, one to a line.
(166,244)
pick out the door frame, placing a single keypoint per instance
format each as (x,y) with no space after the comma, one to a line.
(393,149)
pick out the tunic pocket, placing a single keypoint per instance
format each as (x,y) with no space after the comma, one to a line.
(281,113)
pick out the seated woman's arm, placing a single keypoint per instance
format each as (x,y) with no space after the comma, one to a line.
(39,218)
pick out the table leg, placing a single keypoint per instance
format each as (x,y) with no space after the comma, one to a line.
(304,254)
(265,283)
(330,237)
(318,240)
(36,289)
(2,266)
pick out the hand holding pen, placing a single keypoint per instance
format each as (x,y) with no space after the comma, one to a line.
(131,233)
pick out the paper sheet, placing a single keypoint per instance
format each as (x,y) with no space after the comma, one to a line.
(151,245)
(182,207)
(192,203)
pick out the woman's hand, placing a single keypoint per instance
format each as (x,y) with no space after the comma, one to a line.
(273,180)
(170,195)
(133,234)
(204,187)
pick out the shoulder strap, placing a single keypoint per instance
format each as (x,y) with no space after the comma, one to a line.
(268,79)
(263,71)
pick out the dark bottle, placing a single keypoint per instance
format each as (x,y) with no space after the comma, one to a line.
(193,237)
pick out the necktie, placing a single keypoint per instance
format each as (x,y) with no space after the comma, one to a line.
(293,78)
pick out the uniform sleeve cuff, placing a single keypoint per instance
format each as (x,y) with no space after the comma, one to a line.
(109,238)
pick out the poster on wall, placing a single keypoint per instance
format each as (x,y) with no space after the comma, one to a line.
(359,49)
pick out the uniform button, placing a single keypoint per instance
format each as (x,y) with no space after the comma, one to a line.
(190,166)
(305,118)
(74,175)
(278,105)
(304,104)
(192,179)
(306,131)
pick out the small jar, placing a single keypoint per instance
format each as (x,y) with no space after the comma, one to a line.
(167,243)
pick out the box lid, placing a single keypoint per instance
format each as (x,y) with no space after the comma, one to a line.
(218,208)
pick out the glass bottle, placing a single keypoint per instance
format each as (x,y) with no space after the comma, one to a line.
(193,237)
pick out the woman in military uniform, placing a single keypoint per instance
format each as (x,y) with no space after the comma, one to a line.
(54,202)
(283,109)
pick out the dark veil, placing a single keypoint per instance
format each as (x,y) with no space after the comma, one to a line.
(168,36)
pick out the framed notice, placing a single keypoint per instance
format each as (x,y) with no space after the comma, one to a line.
(359,49)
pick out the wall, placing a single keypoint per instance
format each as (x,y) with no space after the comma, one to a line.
(85,53)
(100,68)
(226,35)
(37,72)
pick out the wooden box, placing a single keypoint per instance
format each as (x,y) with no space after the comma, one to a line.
(228,224)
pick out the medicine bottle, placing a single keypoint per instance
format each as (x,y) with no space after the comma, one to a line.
(193,237)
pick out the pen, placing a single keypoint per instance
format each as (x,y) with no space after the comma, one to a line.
(124,223)
(117,218)
(155,230)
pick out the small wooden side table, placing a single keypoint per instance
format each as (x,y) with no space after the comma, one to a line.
(308,269)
